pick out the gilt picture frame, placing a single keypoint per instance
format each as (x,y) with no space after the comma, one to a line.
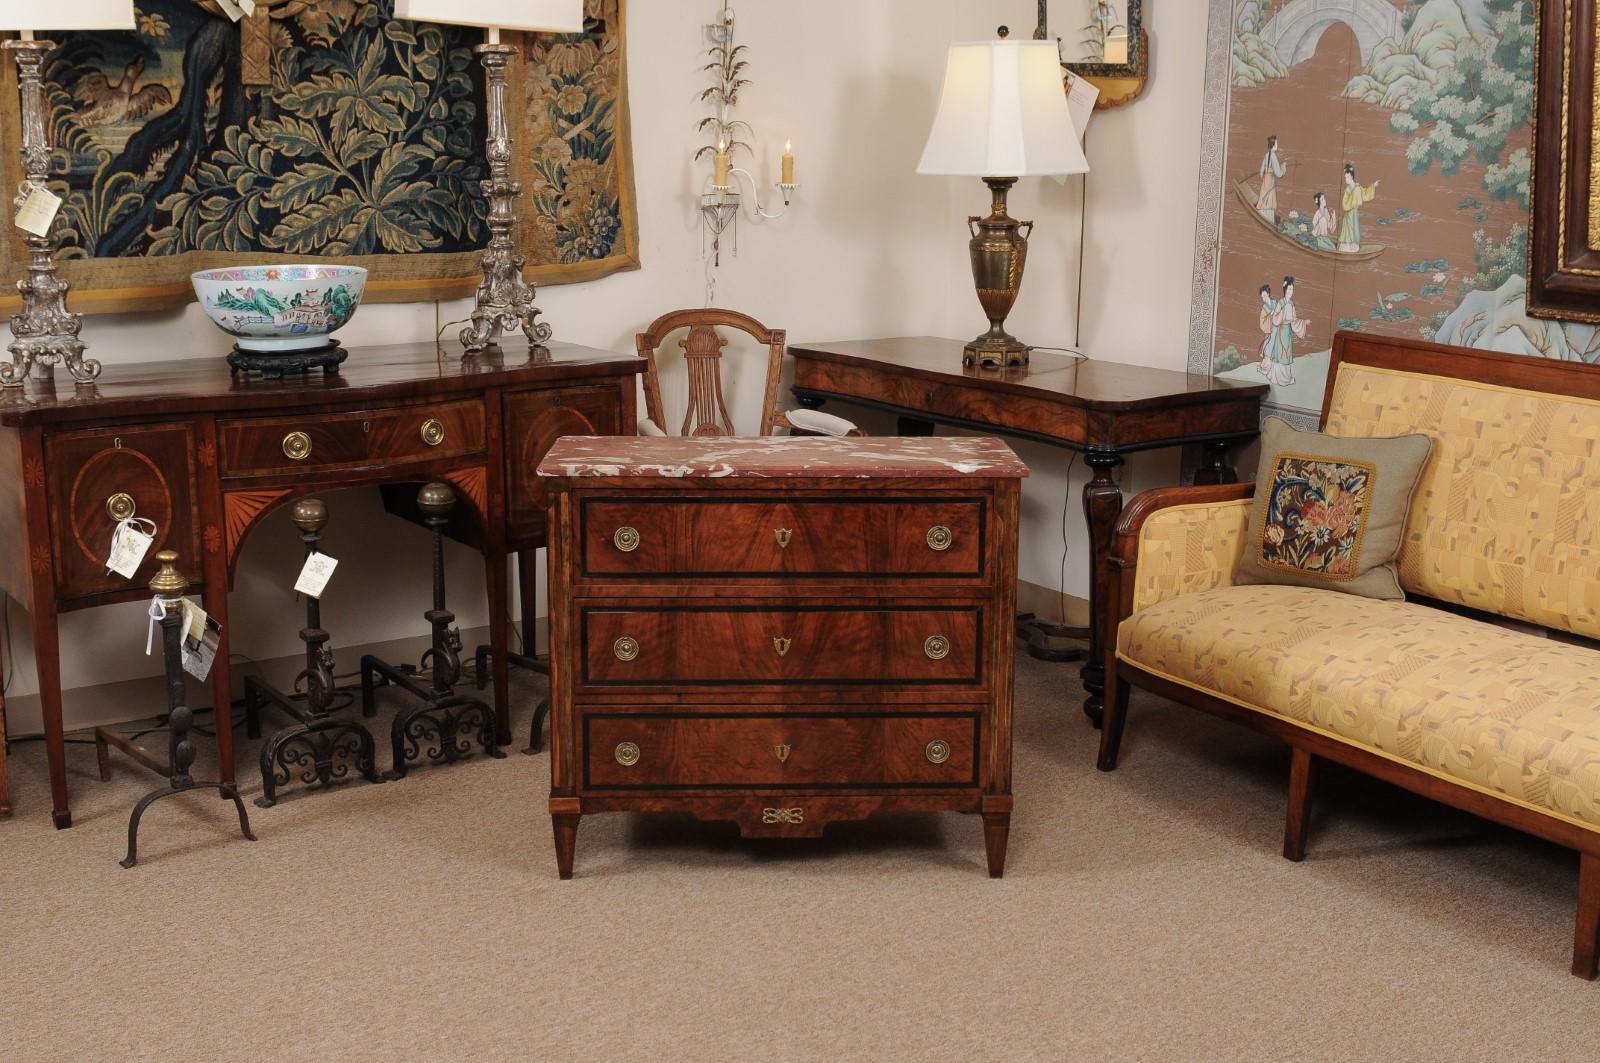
(1564,249)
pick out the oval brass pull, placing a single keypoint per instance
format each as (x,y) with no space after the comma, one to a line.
(937,647)
(940,538)
(626,648)
(432,432)
(938,751)
(783,535)
(297,446)
(120,507)
(627,754)
(781,645)
(626,539)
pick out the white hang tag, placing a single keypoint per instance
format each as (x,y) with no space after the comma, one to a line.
(315,575)
(200,649)
(232,9)
(194,621)
(129,543)
(38,210)
(157,611)
(247,6)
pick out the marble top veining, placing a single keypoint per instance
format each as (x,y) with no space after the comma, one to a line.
(672,457)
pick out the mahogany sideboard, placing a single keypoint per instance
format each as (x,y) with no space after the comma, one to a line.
(782,632)
(1103,410)
(205,455)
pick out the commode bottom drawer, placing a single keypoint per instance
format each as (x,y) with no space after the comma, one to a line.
(794,751)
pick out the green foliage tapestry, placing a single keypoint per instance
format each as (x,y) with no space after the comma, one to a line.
(364,146)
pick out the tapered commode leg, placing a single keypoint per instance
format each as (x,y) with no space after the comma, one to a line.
(566,828)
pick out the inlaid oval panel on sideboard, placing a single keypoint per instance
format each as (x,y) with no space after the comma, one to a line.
(534,421)
(98,477)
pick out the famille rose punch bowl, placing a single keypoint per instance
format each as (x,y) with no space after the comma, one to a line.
(280,309)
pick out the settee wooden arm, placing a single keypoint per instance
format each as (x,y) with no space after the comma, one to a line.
(1125,539)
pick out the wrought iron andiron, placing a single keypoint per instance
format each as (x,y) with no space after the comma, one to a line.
(169,587)
(319,746)
(442,726)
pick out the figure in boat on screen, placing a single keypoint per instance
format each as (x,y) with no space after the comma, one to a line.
(1355,195)
(1324,224)
(1271,170)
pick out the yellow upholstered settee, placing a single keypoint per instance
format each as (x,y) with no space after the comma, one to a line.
(1482,690)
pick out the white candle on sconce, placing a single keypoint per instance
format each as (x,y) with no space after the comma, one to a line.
(494,34)
(788,162)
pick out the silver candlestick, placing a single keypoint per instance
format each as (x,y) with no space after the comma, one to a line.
(46,331)
(505,298)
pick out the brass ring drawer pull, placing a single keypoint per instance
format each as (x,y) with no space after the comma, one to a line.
(297,446)
(626,539)
(120,507)
(937,647)
(626,648)
(432,432)
(940,538)
(627,754)
(938,751)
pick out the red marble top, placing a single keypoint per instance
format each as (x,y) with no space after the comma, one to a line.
(781,456)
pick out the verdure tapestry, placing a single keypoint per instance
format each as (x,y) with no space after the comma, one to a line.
(1366,167)
(363,144)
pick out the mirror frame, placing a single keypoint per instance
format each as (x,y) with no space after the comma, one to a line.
(1118,83)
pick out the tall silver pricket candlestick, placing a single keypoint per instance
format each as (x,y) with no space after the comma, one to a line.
(46,331)
(505,299)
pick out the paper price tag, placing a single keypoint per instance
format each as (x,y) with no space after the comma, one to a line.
(247,6)
(201,638)
(129,544)
(38,210)
(194,621)
(315,575)
(232,9)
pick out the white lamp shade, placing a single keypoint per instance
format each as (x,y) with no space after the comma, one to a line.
(1003,113)
(66,15)
(535,16)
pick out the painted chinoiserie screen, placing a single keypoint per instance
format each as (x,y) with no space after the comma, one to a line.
(322,129)
(1366,167)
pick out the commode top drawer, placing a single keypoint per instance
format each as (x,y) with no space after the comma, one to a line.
(395,434)
(763,536)
(682,645)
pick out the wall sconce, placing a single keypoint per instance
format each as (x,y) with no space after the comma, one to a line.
(723,200)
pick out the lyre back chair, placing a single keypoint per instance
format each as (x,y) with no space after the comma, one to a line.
(707,409)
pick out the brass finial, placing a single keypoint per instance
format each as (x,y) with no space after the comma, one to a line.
(169,582)
(310,515)
(436,499)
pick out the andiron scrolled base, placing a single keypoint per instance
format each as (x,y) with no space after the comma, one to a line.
(438,729)
(321,749)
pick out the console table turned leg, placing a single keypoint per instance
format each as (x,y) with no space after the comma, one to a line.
(1216,469)
(1102,505)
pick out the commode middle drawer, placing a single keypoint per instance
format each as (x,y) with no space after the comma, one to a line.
(393,434)
(688,645)
(791,751)
(761,535)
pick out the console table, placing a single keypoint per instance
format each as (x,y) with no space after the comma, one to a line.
(1104,410)
(205,455)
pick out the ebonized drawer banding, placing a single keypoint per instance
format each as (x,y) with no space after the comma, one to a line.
(760,535)
(780,752)
(678,645)
(394,435)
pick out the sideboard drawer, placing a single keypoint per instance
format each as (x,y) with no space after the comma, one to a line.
(678,645)
(392,435)
(534,421)
(98,476)
(759,535)
(790,751)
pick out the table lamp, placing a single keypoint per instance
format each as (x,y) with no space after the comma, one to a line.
(46,332)
(505,298)
(1003,115)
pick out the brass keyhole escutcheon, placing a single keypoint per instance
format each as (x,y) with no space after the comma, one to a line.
(940,538)
(782,645)
(120,507)
(432,432)
(782,752)
(626,539)
(297,446)
(626,648)
(627,754)
(783,535)
(937,647)
(938,751)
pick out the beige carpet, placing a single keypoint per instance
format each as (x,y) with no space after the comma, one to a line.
(1144,915)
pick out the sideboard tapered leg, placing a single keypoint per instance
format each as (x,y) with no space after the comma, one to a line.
(996,829)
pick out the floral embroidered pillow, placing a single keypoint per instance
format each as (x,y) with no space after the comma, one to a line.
(1331,512)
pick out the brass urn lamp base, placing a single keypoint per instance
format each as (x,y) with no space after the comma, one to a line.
(999,250)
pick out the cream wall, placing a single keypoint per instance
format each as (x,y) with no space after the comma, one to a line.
(869,249)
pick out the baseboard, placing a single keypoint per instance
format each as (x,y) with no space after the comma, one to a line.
(1046,603)
(140,699)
